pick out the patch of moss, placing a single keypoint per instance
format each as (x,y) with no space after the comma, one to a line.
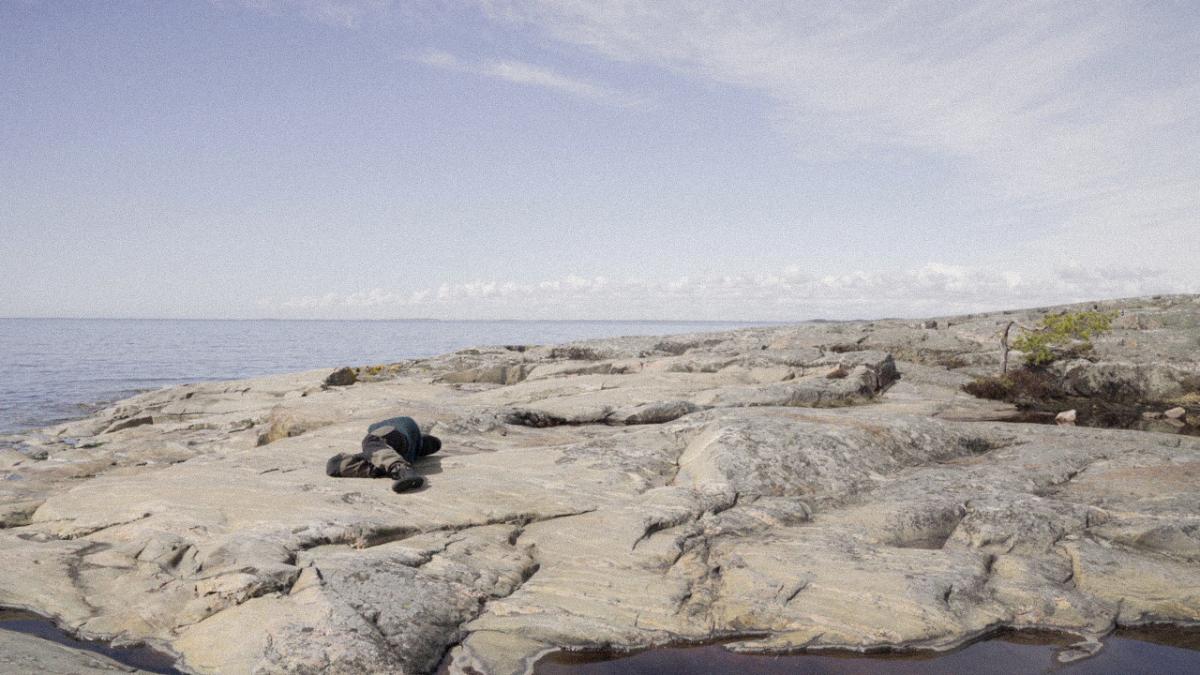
(976,445)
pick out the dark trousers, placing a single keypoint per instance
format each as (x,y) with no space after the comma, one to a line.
(376,458)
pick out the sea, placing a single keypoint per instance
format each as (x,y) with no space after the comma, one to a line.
(56,370)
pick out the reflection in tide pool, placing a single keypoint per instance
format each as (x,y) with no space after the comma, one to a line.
(145,659)
(1162,651)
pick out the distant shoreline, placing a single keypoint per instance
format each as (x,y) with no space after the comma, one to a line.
(723,322)
(57,369)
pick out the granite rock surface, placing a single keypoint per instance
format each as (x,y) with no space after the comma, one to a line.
(808,486)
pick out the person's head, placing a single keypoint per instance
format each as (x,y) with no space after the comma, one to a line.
(429,445)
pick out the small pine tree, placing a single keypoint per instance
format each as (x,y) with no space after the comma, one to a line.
(1057,333)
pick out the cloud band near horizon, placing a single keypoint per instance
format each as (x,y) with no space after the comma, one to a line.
(783,295)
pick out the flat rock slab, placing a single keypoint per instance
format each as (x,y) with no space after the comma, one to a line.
(20,653)
(818,485)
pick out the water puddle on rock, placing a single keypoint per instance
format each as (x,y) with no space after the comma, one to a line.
(1102,416)
(1163,651)
(140,657)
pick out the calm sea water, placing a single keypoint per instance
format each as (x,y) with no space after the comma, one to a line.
(52,370)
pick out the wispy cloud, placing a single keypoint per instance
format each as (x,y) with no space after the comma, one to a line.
(343,13)
(525,73)
(441,59)
(528,74)
(1073,123)
(1082,113)
(787,294)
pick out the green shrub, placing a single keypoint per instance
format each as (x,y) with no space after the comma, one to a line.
(1065,334)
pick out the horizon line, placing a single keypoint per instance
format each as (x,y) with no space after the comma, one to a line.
(1001,310)
(415,319)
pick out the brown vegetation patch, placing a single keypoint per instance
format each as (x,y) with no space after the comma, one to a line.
(847,347)
(1023,387)
(952,362)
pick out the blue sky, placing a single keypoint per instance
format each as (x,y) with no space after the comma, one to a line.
(525,159)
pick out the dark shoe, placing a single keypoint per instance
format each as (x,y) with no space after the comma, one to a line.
(333,467)
(408,480)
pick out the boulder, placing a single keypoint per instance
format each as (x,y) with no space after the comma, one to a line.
(342,377)
(1125,382)
(1066,417)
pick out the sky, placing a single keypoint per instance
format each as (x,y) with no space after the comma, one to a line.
(529,159)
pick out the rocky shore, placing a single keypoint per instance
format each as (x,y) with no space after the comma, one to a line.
(824,485)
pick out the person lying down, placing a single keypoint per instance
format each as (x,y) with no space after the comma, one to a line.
(389,449)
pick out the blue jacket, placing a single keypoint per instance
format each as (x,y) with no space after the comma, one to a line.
(404,436)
